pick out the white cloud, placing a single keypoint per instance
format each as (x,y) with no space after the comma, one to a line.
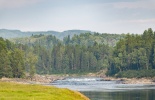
(144,21)
(146,4)
(60,15)
(4,4)
(138,21)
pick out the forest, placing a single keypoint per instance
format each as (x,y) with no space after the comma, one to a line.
(134,56)
(11,60)
(122,55)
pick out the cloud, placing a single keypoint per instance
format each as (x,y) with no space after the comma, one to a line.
(146,4)
(143,21)
(140,21)
(6,4)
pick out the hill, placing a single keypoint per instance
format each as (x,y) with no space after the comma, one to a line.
(85,52)
(89,39)
(129,55)
(5,33)
(72,38)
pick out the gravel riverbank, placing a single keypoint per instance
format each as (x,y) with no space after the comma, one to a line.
(37,79)
(132,80)
(46,79)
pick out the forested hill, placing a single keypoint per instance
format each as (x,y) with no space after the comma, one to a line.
(5,33)
(46,41)
(126,55)
(86,52)
(89,39)
(86,39)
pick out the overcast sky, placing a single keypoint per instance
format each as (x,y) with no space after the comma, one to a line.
(104,16)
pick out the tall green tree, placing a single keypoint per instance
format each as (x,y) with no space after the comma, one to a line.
(17,63)
(134,52)
(31,60)
(5,68)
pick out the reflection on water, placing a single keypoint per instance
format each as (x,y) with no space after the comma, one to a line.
(122,95)
(97,89)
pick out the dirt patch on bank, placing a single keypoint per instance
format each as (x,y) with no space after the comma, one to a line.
(37,79)
(139,81)
(131,80)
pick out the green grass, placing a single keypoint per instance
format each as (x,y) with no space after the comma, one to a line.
(14,91)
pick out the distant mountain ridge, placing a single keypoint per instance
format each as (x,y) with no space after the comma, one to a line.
(6,33)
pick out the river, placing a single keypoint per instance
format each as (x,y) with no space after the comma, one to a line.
(97,89)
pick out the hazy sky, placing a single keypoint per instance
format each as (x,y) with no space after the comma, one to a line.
(105,16)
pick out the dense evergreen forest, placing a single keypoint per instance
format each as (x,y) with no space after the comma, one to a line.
(122,55)
(78,54)
(9,34)
(134,56)
(11,60)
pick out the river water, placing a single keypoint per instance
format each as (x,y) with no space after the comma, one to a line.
(97,89)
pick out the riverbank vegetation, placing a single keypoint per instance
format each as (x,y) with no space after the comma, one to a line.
(122,55)
(14,91)
(11,60)
(134,56)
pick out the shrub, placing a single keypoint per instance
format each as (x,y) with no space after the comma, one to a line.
(136,73)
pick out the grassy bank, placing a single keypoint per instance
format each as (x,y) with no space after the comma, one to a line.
(14,91)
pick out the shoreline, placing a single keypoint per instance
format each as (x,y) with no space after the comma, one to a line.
(37,79)
(145,81)
(41,80)
(47,79)
(14,91)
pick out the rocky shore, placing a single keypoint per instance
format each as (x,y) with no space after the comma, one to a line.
(139,81)
(131,80)
(37,79)
(46,79)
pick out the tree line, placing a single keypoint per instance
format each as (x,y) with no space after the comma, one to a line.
(79,58)
(124,55)
(80,54)
(14,61)
(133,54)
(11,60)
